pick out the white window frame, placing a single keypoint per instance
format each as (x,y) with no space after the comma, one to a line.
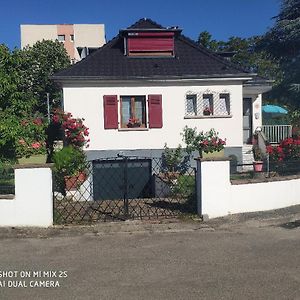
(61,35)
(143,126)
(214,105)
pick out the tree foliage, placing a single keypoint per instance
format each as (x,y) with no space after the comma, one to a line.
(283,42)
(39,63)
(24,82)
(245,54)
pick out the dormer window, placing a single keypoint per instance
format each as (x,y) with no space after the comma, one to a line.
(149,44)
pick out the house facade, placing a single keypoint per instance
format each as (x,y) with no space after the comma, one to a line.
(78,39)
(141,89)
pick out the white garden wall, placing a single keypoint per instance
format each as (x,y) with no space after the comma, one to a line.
(218,197)
(87,102)
(32,204)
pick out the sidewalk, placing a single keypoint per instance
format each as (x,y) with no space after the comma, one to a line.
(281,217)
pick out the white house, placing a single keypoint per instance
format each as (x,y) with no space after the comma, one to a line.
(141,89)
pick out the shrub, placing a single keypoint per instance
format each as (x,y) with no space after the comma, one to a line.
(31,137)
(174,160)
(207,142)
(69,161)
(75,132)
(288,149)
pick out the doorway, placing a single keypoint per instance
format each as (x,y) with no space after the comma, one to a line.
(247,120)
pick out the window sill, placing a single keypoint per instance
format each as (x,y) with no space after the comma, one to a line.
(7,197)
(208,117)
(133,129)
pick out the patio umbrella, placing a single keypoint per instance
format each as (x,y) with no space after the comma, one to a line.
(274,110)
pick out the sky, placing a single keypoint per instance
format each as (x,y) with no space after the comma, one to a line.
(222,18)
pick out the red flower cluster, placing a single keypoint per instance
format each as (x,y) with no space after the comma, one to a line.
(212,144)
(76,132)
(134,122)
(31,137)
(288,149)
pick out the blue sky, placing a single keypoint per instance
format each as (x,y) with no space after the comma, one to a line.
(222,18)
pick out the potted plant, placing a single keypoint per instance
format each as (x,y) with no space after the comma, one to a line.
(134,122)
(258,158)
(206,143)
(70,165)
(206,111)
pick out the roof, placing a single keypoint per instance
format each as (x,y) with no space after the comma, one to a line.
(191,61)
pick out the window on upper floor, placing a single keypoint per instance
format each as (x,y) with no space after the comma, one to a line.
(149,44)
(132,112)
(72,37)
(207,104)
(61,37)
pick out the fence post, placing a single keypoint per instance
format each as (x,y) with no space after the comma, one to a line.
(213,187)
(34,195)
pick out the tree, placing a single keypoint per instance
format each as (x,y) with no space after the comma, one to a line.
(38,64)
(24,82)
(283,42)
(245,54)
(205,40)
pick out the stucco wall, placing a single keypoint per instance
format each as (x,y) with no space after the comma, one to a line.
(32,204)
(89,35)
(87,102)
(218,197)
(30,34)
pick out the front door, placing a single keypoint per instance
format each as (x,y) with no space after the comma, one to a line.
(247,120)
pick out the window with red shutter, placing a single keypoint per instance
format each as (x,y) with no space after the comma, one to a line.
(150,44)
(110,103)
(133,111)
(155,111)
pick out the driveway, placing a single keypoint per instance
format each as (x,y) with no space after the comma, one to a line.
(253,256)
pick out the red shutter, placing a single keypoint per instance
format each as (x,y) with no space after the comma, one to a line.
(150,44)
(110,104)
(155,111)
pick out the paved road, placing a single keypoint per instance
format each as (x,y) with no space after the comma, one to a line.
(252,257)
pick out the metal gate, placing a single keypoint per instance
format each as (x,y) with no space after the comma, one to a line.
(124,188)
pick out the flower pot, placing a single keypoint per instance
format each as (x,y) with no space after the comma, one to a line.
(74,182)
(135,125)
(214,154)
(33,159)
(258,166)
(206,113)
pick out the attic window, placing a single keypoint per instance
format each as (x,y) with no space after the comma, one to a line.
(150,44)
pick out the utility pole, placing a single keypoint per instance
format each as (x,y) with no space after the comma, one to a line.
(48,107)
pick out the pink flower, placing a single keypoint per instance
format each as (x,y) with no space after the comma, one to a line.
(38,121)
(36,145)
(55,119)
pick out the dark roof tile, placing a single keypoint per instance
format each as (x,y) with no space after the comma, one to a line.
(190,61)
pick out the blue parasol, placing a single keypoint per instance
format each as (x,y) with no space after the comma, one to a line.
(274,109)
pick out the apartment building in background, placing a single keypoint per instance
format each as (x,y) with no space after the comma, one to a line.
(79,40)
